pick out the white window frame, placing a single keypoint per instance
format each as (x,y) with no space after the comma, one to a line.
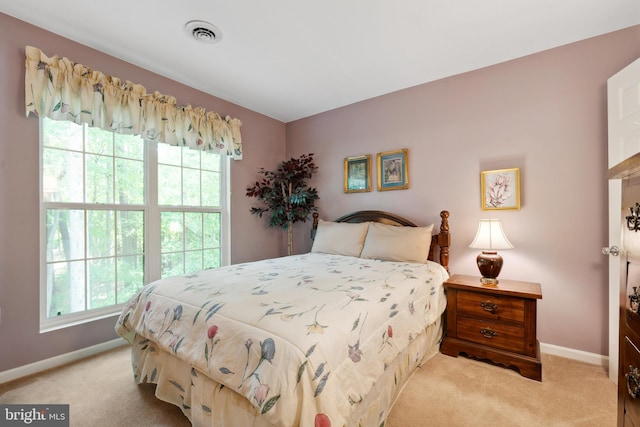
(152,268)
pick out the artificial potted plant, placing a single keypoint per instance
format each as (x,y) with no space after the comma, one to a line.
(286,194)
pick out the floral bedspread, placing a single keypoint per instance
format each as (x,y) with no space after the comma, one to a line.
(303,338)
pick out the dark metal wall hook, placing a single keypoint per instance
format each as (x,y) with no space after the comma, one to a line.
(633,220)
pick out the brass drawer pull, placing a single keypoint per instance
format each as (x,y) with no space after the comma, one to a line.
(633,382)
(488,333)
(489,306)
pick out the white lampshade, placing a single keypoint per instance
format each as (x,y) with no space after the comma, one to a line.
(490,236)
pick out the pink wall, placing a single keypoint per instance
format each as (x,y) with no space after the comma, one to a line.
(545,114)
(20,340)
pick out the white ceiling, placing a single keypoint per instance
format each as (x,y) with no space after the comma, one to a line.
(290,59)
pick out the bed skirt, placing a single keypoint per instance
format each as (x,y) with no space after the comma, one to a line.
(211,404)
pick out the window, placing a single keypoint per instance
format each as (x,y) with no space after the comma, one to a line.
(190,238)
(119,212)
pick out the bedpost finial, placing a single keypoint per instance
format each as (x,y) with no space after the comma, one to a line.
(444,225)
(314,227)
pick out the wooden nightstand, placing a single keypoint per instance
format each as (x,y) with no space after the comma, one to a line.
(495,323)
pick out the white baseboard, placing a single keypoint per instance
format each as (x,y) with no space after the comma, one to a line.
(570,353)
(54,362)
(43,365)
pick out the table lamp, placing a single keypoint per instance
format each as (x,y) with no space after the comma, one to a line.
(489,238)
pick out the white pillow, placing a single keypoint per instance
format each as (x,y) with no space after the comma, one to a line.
(394,243)
(340,238)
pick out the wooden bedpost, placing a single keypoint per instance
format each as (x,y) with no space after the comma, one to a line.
(444,240)
(314,227)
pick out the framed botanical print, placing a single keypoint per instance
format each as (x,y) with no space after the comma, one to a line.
(393,170)
(500,189)
(357,174)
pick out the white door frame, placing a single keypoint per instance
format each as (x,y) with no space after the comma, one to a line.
(615,204)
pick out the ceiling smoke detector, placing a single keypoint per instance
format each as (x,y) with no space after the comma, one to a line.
(203,32)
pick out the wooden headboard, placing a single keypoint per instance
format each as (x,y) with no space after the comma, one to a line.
(439,242)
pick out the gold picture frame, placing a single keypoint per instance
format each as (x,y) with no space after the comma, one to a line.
(357,174)
(393,170)
(500,189)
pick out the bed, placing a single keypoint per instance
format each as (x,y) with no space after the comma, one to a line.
(324,339)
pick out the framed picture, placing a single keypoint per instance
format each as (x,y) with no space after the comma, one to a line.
(500,189)
(357,174)
(393,170)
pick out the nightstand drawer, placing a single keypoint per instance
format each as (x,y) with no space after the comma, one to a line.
(494,307)
(495,323)
(496,335)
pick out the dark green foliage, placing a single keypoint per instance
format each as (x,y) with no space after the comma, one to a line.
(285,193)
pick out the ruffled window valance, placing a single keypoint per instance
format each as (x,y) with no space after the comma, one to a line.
(61,89)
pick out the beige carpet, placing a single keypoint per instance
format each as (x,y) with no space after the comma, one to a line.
(446,391)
